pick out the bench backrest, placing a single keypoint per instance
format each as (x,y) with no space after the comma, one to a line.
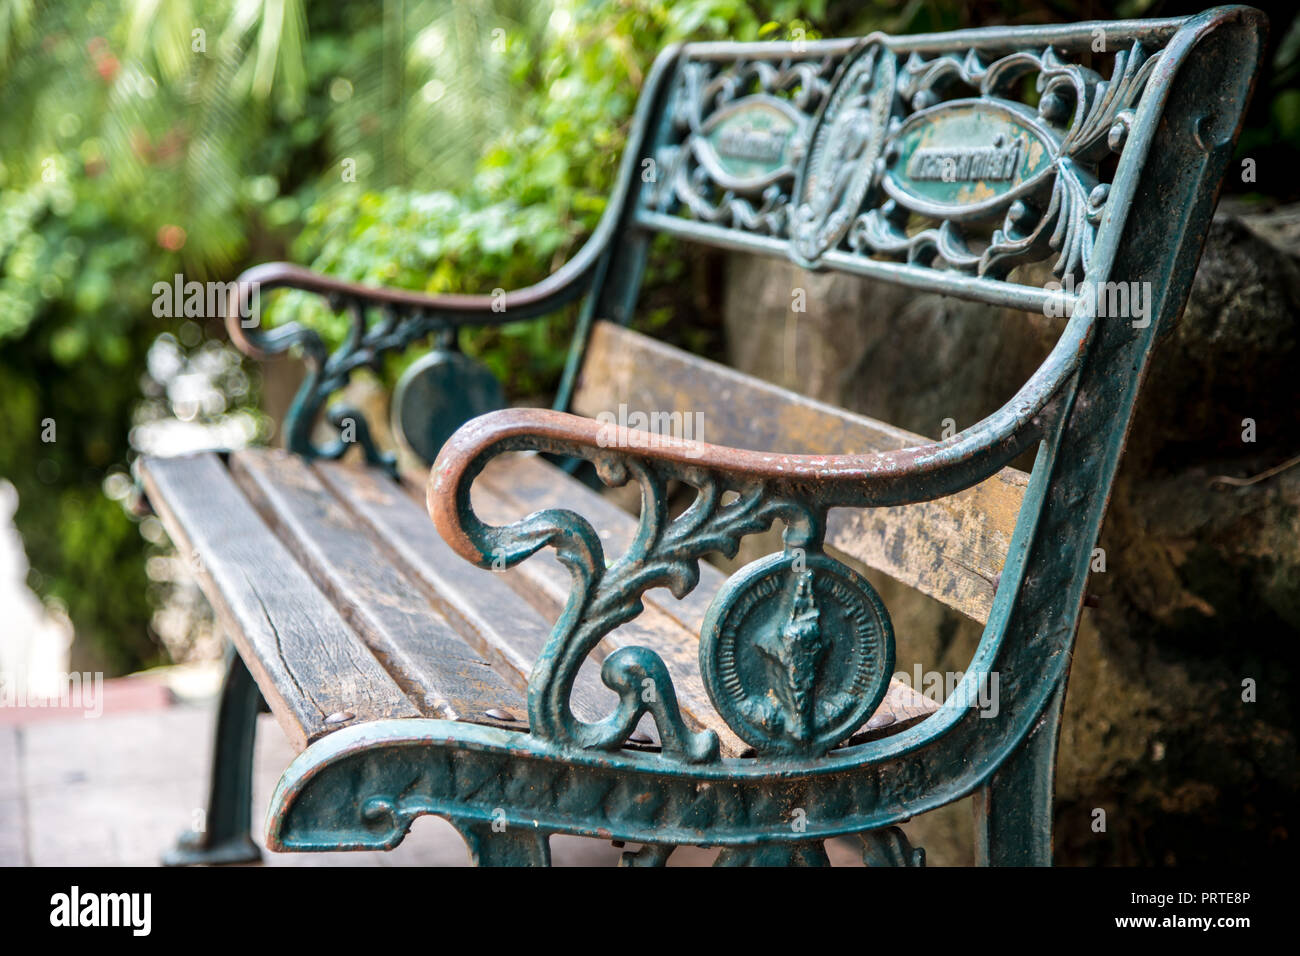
(920,161)
(944,161)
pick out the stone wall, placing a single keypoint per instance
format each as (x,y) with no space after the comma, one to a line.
(1202,583)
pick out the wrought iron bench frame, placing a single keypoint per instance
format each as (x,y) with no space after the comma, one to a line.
(1115,177)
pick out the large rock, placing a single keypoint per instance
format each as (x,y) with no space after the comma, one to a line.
(1202,584)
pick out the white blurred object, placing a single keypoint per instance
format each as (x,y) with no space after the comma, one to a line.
(34,638)
(171,436)
(198,385)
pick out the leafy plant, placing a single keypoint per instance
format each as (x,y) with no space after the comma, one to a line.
(147,138)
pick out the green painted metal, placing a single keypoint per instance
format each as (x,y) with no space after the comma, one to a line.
(1013,811)
(438,393)
(796,652)
(224,836)
(908,159)
(387,320)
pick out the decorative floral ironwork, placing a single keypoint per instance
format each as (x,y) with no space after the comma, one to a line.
(936,161)
(740,132)
(664,553)
(1080,119)
(327,373)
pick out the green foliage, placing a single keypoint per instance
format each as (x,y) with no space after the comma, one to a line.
(140,139)
(72,352)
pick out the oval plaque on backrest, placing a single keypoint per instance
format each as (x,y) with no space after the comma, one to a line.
(967,159)
(751,143)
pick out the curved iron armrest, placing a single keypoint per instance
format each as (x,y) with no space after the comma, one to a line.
(435,311)
(797,489)
(404,317)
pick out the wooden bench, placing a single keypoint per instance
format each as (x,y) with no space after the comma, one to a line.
(594,675)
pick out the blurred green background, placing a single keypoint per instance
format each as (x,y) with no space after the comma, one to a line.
(144,138)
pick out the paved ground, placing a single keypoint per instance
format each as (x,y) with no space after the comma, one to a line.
(116,789)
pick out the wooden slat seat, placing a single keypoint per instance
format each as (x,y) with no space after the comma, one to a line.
(344,600)
(309,663)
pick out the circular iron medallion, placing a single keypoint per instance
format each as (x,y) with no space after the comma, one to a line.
(437,394)
(796,653)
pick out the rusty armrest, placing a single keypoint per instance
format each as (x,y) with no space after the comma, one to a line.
(382,320)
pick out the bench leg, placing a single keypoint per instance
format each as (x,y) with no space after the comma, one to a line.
(1013,811)
(774,854)
(515,847)
(225,836)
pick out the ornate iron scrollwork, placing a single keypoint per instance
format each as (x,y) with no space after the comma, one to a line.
(797,649)
(960,162)
(664,553)
(936,162)
(889,846)
(327,373)
(741,134)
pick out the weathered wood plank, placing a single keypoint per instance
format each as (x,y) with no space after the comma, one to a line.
(381,571)
(522,483)
(307,661)
(951,549)
(441,674)
(490,616)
